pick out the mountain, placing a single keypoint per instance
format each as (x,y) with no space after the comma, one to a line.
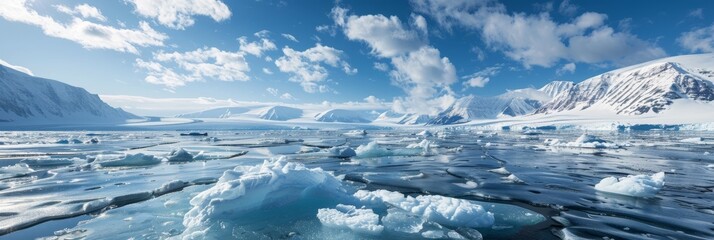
(554,88)
(341,115)
(280,113)
(512,103)
(28,99)
(223,112)
(649,87)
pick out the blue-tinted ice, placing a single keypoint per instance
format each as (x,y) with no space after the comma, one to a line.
(389,184)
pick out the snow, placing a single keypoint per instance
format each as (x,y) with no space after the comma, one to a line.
(633,185)
(280,113)
(349,217)
(180,155)
(440,209)
(223,112)
(49,162)
(31,100)
(341,115)
(342,152)
(400,221)
(356,133)
(138,159)
(11,171)
(374,150)
(425,133)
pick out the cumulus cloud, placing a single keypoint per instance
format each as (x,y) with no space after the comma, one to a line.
(536,39)
(290,37)
(477,81)
(372,99)
(698,40)
(195,65)
(17,68)
(418,68)
(178,14)
(84,10)
(306,67)
(256,48)
(567,68)
(88,34)
(567,8)
(267,71)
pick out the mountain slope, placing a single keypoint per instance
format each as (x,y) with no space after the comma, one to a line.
(512,103)
(27,99)
(642,88)
(341,115)
(280,113)
(223,112)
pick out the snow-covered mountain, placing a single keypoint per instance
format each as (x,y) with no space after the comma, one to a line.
(556,87)
(280,113)
(223,112)
(26,99)
(643,88)
(342,115)
(512,103)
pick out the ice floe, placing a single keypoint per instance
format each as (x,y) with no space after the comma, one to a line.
(181,155)
(633,185)
(20,169)
(138,159)
(374,150)
(49,162)
(349,217)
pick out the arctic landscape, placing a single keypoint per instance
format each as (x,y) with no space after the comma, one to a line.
(556,120)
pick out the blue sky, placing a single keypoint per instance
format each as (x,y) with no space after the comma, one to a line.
(414,53)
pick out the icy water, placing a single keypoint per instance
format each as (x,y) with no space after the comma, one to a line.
(459,184)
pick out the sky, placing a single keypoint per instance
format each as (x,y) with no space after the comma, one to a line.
(417,56)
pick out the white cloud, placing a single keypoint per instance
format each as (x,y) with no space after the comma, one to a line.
(195,65)
(326,29)
(273,91)
(178,14)
(307,68)
(567,8)
(287,96)
(290,37)
(262,33)
(477,81)
(387,36)
(418,68)
(84,10)
(381,66)
(17,68)
(267,71)
(567,68)
(537,39)
(90,35)
(480,78)
(698,40)
(256,48)
(373,99)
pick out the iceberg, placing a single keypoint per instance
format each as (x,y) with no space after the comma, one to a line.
(635,186)
(180,155)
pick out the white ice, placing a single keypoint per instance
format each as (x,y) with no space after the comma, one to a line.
(138,159)
(349,217)
(636,186)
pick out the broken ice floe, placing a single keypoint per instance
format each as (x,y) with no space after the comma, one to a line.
(633,185)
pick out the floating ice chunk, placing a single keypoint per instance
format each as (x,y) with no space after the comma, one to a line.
(589,141)
(16,170)
(710,166)
(433,234)
(170,187)
(347,216)
(513,178)
(501,170)
(425,133)
(697,140)
(48,162)
(467,185)
(635,186)
(342,151)
(400,221)
(307,149)
(372,149)
(68,141)
(356,133)
(410,177)
(138,159)
(551,141)
(488,144)
(440,209)
(425,145)
(180,155)
(92,141)
(211,139)
(252,197)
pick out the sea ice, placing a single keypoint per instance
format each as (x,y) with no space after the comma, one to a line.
(501,170)
(635,186)
(49,162)
(425,133)
(180,155)
(342,152)
(16,170)
(138,159)
(374,150)
(440,209)
(347,216)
